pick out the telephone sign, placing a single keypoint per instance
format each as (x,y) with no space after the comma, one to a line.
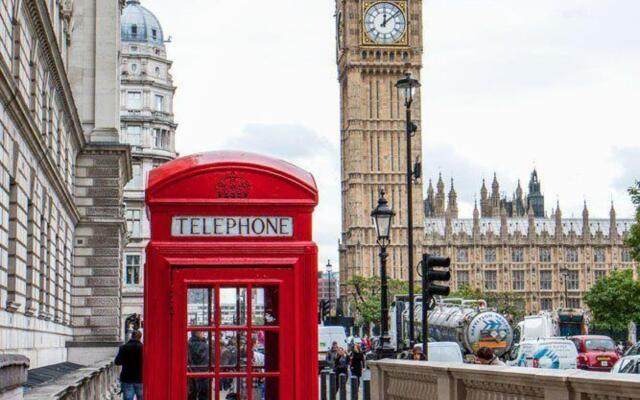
(230,280)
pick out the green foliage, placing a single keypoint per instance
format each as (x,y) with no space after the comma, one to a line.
(633,241)
(468,293)
(614,301)
(507,303)
(365,294)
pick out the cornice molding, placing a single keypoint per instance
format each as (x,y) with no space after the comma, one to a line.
(44,30)
(20,112)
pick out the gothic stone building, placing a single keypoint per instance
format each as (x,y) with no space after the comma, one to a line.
(146,114)
(63,167)
(525,254)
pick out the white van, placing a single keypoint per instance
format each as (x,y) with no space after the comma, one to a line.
(444,352)
(549,353)
(326,336)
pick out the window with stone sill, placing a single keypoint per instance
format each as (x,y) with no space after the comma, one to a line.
(598,255)
(134,100)
(462,255)
(490,280)
(134,135)
(132,269)
(546,280)
(546,304)
(626,255)
(136,181)
(133,217)
(517,280)
(161,139)
(573,280)
(463,278)
(572,255)
(159,103)
(573,302)
(490,254)
(545,255)
(517,255)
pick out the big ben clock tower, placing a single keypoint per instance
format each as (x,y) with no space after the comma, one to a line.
(377,43)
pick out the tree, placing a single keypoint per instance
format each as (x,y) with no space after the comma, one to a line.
(633,240)
(366,296)
(613,301)
(468,293)
(507,303)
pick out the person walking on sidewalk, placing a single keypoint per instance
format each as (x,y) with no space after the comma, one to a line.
(130,358)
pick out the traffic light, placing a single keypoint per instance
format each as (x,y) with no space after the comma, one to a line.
(431,274)
(325,307)
(434,268)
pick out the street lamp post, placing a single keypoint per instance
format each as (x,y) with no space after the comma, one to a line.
(565,274)
(407,89)
(382,216)
(329,268)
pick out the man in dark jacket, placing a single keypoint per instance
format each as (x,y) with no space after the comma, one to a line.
(130,358)
(198,361)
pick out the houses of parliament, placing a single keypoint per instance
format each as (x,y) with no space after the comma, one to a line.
(513,245)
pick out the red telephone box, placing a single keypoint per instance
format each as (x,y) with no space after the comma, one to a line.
(230,280)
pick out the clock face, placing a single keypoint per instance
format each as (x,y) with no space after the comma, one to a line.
(385,23)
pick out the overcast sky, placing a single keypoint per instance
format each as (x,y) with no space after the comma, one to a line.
(507,85)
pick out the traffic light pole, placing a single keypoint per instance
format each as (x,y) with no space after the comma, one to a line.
(425,321)
(410,225)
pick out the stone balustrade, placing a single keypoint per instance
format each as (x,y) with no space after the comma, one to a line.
(95,382)
(408,380)
(13,375)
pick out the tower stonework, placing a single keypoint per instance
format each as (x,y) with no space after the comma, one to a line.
(377,43)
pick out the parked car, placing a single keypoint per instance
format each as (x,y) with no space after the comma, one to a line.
(595,352)
(546,353)
(627,365)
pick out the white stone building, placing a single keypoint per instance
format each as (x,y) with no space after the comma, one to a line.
(146,115)
(62,173)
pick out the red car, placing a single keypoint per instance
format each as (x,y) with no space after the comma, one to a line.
(595,353)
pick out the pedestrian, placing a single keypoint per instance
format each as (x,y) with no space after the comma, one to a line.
(357,361)
(341,365)
(417,354)
(198,361)
(485,356)
(332,355)
(130,358)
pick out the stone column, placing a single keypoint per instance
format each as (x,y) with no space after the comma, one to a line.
(95,66)
(102,172)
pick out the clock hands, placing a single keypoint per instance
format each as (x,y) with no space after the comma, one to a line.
(385,19)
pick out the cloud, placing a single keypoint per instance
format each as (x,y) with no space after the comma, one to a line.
(287,141)
(304,147)
(629,161)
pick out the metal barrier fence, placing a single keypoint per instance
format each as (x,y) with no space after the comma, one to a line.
(342,387)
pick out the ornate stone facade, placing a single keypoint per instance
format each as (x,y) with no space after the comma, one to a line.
(146,115)
(62,169)
(373,137)
(525,255)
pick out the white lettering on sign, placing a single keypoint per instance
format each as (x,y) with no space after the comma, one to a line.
(232,226)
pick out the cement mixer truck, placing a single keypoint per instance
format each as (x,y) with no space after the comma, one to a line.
(471,325)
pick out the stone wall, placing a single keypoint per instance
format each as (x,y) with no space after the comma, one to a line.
(98,381)
(405,380)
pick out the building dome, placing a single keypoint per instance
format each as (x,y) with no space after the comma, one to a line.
(139,25)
